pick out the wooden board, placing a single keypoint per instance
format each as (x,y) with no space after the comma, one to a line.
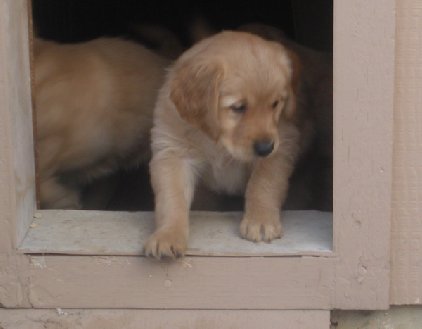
(211,234)
(406,258)
(120,282)
(363,135)
(162,319)
(16,110)
(17,188)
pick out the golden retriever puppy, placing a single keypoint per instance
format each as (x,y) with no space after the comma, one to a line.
(93,111)
(228,116)
(311,184)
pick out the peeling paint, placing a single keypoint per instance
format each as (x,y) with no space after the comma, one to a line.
(61,312)
(186,263)
(38,262)
(103,260)
(37,215)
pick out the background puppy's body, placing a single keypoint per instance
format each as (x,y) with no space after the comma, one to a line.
(93,107)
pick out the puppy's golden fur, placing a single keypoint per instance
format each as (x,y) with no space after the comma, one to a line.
(93,107)
(225,101)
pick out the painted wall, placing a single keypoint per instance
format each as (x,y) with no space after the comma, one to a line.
(406,250)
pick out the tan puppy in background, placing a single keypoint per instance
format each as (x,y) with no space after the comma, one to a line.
(93,109)
(228,117)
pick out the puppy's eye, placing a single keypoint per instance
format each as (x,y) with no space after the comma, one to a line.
(238,108)
(275,104)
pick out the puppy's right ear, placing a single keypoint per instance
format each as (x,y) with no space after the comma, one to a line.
(194,90)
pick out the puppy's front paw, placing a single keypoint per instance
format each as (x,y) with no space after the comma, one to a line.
(262,228)
(166,243)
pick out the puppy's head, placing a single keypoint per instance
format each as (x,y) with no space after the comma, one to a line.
(236,87)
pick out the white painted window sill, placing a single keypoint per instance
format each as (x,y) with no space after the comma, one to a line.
(211,234)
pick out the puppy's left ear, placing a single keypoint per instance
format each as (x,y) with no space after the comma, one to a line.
(194,90)
(295,84)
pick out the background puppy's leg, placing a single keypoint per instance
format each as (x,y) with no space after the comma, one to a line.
(265,193)
(99,193)
(57,196)
(173,182)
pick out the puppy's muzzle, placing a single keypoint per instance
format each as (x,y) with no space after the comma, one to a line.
(263,148)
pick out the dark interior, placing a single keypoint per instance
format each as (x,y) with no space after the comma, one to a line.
(309,22)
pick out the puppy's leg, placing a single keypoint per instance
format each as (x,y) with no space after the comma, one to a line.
(54,195)
(173,182)
(265,193)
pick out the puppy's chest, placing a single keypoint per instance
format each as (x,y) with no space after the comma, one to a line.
(225,175)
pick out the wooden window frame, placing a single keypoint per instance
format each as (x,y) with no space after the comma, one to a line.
(354,276)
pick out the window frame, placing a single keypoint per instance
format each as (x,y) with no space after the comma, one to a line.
(356,276)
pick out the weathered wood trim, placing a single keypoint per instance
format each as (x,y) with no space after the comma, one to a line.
(406,258)
(17,192)
(363,136)
(191,283)
(73,232)
(16,98)
(160,319)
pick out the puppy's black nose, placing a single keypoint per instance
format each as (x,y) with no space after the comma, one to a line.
(263,148)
